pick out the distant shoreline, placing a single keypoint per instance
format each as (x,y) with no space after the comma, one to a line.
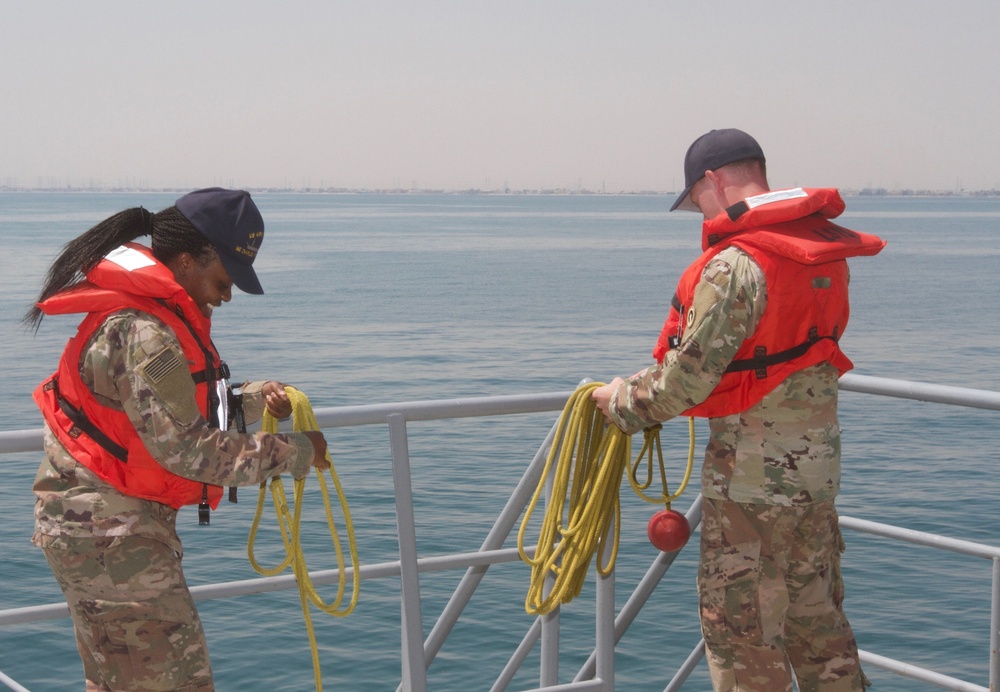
(854,192)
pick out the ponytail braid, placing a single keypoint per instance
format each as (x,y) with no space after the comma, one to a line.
(172,234)
(82,254)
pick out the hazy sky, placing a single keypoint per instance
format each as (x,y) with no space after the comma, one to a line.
(459,94)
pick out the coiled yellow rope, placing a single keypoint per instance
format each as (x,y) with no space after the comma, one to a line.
(290,523)
(583,511)
(582,506)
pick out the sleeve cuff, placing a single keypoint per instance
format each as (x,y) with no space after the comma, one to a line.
(253,401)
(624,419)
(300,467)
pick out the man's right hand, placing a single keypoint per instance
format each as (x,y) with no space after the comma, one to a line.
(603,394)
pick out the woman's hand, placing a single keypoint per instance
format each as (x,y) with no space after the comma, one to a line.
(319,449)
(276,399)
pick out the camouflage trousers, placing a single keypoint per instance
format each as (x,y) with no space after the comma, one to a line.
(771,598)
(136,624)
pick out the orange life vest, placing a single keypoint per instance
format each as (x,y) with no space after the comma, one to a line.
(102,438)
(803,256)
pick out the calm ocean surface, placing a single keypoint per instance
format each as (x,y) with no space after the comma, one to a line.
(375,298)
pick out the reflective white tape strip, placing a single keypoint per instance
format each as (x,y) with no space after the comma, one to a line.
(129,259)
(775,196)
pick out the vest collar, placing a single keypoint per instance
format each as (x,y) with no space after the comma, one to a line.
(774,207)
(127,270)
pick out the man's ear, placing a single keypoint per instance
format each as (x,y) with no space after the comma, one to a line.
(715,180)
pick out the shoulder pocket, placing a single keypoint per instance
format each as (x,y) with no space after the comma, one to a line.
(165,377)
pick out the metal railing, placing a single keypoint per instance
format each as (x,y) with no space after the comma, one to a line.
(598,672)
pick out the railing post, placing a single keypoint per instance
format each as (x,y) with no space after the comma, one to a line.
(548,666)
(414,669)
(995,629)
(605,634)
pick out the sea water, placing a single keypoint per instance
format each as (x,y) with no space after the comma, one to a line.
(377,298)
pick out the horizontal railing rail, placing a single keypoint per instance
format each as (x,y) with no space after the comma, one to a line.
(598,671)
(17,441)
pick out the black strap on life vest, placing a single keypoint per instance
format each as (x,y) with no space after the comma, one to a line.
(737,210)
(761,361)
(82,424)
(210,374)
(236,406)
(674,340)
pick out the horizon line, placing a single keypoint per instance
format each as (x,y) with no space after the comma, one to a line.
(851,191)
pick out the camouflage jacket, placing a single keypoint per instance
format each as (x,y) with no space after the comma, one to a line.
(784,450)
(72,501)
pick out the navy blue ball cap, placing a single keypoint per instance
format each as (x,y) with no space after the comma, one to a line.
(233,224)
(714,150)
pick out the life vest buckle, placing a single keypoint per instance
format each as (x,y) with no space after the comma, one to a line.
(760,362)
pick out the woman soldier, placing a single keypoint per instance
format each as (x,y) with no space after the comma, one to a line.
(137,420)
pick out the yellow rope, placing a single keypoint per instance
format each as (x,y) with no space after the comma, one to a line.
(583,511)
(583,503)
(651,437)
(289,524)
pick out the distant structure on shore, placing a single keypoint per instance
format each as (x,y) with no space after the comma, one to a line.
(12,186)
(883,192)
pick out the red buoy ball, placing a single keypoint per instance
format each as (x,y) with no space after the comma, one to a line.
(668,530)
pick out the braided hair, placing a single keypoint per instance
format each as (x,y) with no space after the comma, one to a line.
(171,233)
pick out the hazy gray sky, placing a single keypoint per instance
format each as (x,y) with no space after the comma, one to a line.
(459,94)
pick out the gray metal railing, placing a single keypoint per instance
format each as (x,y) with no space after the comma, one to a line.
(598,672)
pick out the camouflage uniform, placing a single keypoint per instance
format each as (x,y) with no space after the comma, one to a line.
(118,558)
(769,577)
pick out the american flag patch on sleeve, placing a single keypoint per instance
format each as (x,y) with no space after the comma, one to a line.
(161,365)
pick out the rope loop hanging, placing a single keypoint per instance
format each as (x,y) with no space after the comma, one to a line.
(290,526)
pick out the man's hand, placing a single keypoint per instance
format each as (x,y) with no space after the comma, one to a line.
(602,395)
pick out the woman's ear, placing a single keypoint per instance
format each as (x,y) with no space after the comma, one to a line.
(181,264)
